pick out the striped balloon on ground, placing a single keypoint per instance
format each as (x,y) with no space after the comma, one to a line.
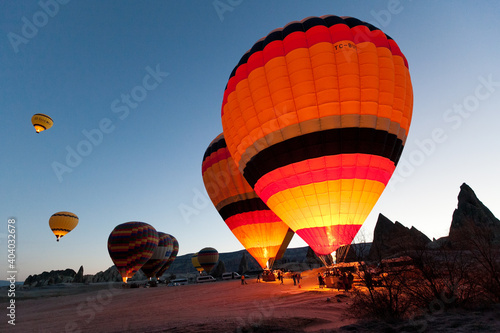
(62,222)
(208,257)
(130,245)
(160,255)
(171,258)
(316,115)
(196,263)
(258,229)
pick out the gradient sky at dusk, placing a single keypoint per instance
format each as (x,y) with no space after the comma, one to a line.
(150,75)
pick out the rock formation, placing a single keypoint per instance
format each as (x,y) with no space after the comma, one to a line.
(79,276)
(471,211)
(391,238)
(50,278)
(109,275)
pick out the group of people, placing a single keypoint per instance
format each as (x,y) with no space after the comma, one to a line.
(340,280)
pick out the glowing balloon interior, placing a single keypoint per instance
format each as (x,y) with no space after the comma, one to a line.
(258,229)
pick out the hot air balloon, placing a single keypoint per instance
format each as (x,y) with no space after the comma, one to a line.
(160,255)
(130,245)
(208,257)
(62,222)
(196,263)
(257,228)
(316,115)
(41,122)
(171,258)
(284,244)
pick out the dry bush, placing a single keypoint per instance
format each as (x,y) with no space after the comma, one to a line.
(464,275)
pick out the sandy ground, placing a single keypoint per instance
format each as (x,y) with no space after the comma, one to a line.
(223,306)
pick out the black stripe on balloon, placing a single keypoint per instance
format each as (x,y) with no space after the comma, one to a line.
(280,34)
(43,115)
(66,215)
(323,143)
(59,229)
(242,206)
(221,143)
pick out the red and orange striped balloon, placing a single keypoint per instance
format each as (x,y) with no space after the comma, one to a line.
(316,115)
(130,245)
(258,229)
(160,255)
(171,258)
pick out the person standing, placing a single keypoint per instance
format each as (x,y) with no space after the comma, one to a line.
(243,279)
(350,278)
(320,280)
(345,281)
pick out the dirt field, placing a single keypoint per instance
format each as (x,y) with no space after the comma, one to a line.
(223,306)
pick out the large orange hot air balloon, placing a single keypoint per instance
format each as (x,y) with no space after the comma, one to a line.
(258,229)
(130,245)
(316,115)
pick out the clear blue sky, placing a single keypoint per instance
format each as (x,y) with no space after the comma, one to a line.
(78,61)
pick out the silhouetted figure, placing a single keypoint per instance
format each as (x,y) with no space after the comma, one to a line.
(320,280)
(368,280)
(345,281)
(350,279)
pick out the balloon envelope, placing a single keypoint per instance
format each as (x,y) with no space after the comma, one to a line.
(208,258)
(62,222)
(316,115)
(130,245)
(160,255)
(171,258)
(41,122)
(257,228)
(196,263)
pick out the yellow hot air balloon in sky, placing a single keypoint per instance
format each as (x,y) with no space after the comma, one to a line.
(62,222)
(316,115)
(41,122)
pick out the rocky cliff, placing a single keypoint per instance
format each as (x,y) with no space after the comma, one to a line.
(50,278)
(391,238)
(471,211)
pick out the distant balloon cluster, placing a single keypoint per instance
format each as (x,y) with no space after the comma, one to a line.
(315,117)
(137,245)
